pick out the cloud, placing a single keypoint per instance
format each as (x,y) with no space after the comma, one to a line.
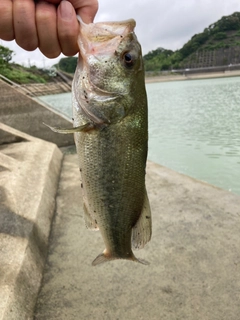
(168,24)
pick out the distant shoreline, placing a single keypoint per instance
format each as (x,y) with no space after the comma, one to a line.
(196,76)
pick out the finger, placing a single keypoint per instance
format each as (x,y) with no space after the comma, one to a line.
(87,9)
(46,20)
(68,28)
(24,24)
(6,21)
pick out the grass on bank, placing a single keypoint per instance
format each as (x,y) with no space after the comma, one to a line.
(23,75)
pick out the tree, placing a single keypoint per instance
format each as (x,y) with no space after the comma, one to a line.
(5,55)
(68,64)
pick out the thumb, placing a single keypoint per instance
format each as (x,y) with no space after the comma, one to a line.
(86,9)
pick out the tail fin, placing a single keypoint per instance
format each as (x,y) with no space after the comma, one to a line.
(105,257)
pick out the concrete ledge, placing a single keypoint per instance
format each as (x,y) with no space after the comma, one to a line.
(29,178)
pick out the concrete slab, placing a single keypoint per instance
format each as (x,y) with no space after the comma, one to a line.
(29,175)
(194,270)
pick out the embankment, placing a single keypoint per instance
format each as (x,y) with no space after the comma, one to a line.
(23,113)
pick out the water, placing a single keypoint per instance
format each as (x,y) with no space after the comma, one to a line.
(61,102)
(194,128)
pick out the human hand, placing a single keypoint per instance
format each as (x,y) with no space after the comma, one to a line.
(50,25)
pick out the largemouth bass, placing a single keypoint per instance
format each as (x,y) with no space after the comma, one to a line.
(111,136)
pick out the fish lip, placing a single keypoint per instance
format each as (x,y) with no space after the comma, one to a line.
(127,26)
(103,36)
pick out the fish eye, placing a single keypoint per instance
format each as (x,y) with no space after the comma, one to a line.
(128,59)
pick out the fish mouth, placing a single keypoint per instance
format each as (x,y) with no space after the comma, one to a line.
(102,37)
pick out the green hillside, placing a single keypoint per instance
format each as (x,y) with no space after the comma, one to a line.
(20,74)
(219,44)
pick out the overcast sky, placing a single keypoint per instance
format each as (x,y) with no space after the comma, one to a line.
(160,23)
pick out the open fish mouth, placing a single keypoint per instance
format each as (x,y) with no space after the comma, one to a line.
(103,37)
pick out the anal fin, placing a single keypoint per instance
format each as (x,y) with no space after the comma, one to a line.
(142,230)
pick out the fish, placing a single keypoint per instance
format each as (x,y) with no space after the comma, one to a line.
(110,126)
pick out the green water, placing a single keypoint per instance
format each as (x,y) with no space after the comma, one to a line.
(194,128)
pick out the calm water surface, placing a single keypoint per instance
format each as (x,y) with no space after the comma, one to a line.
(194,128)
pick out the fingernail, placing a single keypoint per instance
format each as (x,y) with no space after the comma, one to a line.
(66,10)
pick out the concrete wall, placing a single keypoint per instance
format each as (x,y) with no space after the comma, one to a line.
(27,115)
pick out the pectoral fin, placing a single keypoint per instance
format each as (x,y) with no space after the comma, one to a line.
(68,130)
(142,231)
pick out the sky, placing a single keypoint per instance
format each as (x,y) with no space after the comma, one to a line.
(160,23)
